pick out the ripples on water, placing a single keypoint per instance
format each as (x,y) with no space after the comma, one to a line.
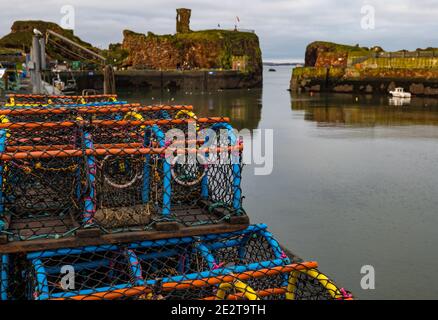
(355,179)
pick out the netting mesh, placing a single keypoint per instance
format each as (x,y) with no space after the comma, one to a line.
(93,111)
(27,100)
(248,264)
(67,168)
(71,166)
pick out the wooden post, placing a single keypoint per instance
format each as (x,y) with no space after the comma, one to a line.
(43,53)
(109,81)
(36,66)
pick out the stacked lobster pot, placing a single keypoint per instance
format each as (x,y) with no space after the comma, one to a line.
(103,199)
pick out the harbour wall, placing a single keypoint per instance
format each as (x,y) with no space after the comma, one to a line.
(168,80)
(418,81)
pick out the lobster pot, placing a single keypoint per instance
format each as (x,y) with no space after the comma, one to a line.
(115,134)
(313,285)
(142,129)
(152,113)
(39,116)
(119,192)
(92,112)
(28,99)
(82,273)
(204,193)
(223,186)
(141,270)
(246,264)
(41,190)
(187,174)
(185,125)
(122,191)
(83,99)
(34,136)
(206,185)
(251,249)
(255,249)
(254,245)
(169,262)
(42,197)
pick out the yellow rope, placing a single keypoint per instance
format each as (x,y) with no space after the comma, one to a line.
(247,291)
(324,281)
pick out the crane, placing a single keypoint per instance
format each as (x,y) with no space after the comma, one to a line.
(108,72)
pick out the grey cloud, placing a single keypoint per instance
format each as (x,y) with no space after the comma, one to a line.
(285,27)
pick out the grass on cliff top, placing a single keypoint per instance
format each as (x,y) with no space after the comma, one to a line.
(213,34)
(18,40)
(317,72)
(216,34)
(21,34)
(336,47)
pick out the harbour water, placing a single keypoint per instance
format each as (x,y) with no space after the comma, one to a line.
(354,180)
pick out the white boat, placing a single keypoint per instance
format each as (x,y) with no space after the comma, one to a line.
(400,93)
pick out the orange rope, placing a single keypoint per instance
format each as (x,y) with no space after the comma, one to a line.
(37,96)
(111,151)
(91,110)
(191,284)
(106,123)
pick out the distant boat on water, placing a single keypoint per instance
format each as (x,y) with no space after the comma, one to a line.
(400,93)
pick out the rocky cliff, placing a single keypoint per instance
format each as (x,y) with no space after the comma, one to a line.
(210,49)
(341,68)
(21,34)
(321,53)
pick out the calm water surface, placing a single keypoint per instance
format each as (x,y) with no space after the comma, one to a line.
(355,180)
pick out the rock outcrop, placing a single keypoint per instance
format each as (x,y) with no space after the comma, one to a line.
(333,67)
(322,54)
(21,34)
(210,49)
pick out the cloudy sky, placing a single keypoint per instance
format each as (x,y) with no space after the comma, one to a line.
(285,27)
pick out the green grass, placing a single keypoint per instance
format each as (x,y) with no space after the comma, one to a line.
(9,51)
(22,32)
(335,47)
(416,62)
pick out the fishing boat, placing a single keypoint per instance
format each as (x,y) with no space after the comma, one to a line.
(400,93)
(90,183)
(64,88)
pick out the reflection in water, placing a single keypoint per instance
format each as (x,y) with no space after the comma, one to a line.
(242,106)
(399,102)
(366,111)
